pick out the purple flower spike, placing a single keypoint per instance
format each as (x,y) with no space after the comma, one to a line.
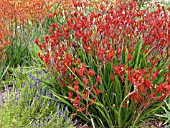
(46,71)
(34,125)
(31,42)
(30,86)
(76,121)
(49,117)
(26,107)
(39,72)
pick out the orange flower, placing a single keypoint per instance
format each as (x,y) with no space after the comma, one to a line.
(1,46)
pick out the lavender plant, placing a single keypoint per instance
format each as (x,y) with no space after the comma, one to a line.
(32,105)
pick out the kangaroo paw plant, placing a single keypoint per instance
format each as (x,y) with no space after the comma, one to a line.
(111,66)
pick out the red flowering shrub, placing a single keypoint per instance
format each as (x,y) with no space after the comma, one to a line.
(112,65)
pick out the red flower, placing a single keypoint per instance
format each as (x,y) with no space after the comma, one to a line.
(70,95)
(98,91)
(63,83)
(163,97)
(74,114)
(81,71)
(76,88)
(54,25)
(124,104)
(78,96)
(39,55)
(7,43)
(155,74)
(75,102)
(50,16)
(97,79)
(36,41)
(86,81)
(112,76)
(47,58)
(92,102)
(76,83)
(102,7)
(91,73)
(109,55)
(129,57)
(86,94)
(81,109)
(55,13)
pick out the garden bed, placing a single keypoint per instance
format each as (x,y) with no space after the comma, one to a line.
(84,64)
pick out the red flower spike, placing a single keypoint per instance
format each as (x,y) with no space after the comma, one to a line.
(55,13)
(124,104)
(47,58)
(63,83)
(74,114)
(78,96)
(98,79)
(71,77)
(7,44)
(169,82)
(98,92)
(86,94)
(112,76)
(54,25)
(70,85)
(91,103)
(102,7)
(70,95)
(150,70)
(109,55)
(162,97)
(155,74)
(39,55)
(129,57)
(93,87)
(81,109)
(91,73)
(76,88)
(36,41)
(50,16)
(86,81)
(76,83)
(76,100)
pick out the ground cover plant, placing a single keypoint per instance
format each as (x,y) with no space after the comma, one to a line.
(108,62)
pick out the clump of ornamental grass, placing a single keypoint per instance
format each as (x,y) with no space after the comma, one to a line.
(32,104)
(111,67)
